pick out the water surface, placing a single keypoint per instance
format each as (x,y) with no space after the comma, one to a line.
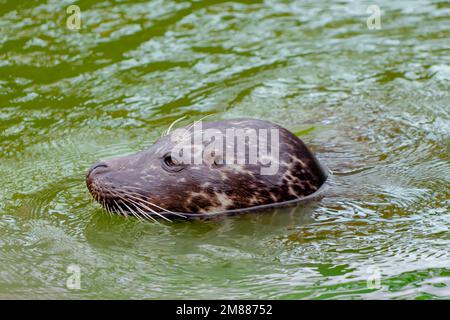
(372,104)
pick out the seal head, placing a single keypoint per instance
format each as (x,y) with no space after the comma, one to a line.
(227,169)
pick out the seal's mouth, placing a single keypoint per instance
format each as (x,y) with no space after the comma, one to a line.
(124,200)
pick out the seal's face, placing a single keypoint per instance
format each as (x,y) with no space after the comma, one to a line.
(159,181)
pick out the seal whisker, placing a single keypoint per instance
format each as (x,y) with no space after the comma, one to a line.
(167,132)
(108,209)
(139,197)
(132,211)
(145,213)
(194,123)
(122,197)
(120,209)
(104,209)
(144,206)
(107,205)
(151,210)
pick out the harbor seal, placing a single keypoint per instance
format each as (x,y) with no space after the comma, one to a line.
(209,168)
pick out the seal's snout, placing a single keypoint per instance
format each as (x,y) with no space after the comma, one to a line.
(94,177)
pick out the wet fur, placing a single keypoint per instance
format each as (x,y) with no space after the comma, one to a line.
(139,185)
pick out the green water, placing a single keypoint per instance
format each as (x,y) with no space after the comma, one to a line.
(373,105)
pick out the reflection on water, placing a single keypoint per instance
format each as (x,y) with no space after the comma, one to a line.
(372,104)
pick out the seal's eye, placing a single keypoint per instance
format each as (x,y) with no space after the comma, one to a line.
(169,161)
(171,164)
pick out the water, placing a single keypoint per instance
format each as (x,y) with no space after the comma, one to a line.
(372,104)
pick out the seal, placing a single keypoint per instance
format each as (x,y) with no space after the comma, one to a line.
(209,168)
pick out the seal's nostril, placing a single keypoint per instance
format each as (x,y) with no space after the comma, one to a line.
(97,166)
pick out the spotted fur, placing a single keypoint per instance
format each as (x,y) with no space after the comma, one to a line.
(141,185)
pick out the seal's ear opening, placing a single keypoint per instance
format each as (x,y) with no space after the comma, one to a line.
(212,158)
(218,160)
